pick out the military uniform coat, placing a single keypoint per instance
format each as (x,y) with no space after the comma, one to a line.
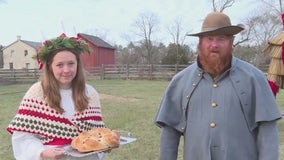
(222,118)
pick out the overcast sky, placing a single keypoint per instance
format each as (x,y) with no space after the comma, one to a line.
(112,20)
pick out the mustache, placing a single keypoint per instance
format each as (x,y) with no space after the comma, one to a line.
(214,50)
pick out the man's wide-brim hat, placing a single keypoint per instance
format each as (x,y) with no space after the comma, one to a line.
(217,23)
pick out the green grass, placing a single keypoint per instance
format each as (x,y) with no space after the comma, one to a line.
(135,115)
(10,97)
(126,105)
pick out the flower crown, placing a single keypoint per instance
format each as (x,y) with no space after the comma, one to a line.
(60,43)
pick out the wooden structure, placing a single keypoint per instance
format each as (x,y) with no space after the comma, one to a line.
(101,51)
(130,71)
(276,68)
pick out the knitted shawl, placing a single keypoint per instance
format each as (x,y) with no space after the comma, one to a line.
(37,117)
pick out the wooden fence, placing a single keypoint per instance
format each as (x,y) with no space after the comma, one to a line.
(149,72)
(8,76)
(131,71)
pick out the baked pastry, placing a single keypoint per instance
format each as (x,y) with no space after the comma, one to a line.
(96,139)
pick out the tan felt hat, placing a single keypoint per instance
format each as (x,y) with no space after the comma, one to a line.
(217,23)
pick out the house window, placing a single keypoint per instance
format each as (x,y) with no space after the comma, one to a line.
(11,66)
(26,52)
(12,53)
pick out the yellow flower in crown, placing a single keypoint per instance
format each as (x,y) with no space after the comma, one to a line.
(62,42)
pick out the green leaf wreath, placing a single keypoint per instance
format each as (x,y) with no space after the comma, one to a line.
(61,43)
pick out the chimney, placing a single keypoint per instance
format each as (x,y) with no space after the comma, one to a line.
(18,38)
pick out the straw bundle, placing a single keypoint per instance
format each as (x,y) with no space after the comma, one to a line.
(276,67)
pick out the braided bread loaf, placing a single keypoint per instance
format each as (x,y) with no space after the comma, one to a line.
(96,139)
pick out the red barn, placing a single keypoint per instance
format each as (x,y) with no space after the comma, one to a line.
(101,51)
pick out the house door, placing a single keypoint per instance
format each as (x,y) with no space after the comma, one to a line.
(11,66)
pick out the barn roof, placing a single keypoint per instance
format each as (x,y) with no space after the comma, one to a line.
(96,40)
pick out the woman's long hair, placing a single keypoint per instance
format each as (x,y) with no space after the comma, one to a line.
(51,89)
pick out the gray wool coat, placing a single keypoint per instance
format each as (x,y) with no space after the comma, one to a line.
(225,119)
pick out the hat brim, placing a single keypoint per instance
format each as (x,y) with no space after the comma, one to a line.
(229,30)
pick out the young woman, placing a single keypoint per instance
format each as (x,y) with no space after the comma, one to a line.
(59,107)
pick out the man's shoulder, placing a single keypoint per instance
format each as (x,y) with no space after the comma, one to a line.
(187,71)
(185,76)
(246,67)
(243,71)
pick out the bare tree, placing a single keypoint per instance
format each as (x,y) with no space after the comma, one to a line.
(281,11)
(245,35)
(176,31)
(273,6)
(178,36)
(146,25)
(259,30)
(263,26)
(259,27)
(221,5)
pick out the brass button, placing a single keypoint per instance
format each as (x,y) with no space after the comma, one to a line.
(215,85)
(214,105)
(212,125)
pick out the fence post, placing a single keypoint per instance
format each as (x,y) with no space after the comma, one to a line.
(14,75)
(176,68)
(35,74)
(127,71)
(102,72)
(151,71)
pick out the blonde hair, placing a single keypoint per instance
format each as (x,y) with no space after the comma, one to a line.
(51,87)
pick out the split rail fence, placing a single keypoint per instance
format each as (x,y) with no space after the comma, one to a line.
(131,71)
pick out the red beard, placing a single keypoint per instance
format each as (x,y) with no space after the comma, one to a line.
(215,65)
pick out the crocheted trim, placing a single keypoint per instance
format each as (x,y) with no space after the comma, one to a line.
(36,117)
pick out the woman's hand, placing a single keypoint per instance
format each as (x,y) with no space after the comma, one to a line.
(54,153)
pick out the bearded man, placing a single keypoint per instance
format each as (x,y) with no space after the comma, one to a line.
(222,106)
